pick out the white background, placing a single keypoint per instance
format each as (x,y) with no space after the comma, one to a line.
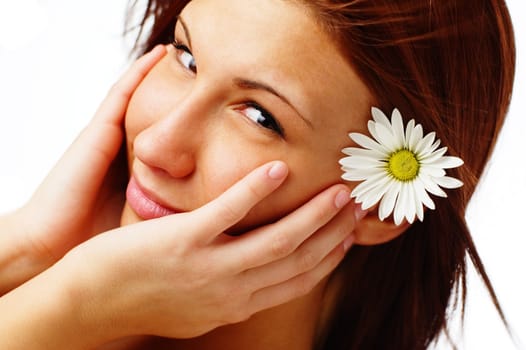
(58,58)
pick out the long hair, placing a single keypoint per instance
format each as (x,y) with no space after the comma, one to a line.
(450,65)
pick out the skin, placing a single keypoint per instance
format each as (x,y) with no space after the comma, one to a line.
(197,139)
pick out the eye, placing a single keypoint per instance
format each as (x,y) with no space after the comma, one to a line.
(185,57)
(260,116)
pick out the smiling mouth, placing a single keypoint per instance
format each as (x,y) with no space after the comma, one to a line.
(143,205)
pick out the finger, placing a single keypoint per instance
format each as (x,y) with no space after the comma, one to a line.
(278,240)
(234,204)
(308,255)
(114,105)
(82,168)
(297,286)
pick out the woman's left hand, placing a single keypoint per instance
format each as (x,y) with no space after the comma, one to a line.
(179,276)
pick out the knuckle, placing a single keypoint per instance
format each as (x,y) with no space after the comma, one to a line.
(281,246)
(343,230)
(321,214)
(119,89)
(116,88)
(307,260)
(229,214)
(304,285)
(239,315)
(254,190)
(234,311)
(334,259)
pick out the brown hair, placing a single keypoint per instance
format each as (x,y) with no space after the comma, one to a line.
(450,65)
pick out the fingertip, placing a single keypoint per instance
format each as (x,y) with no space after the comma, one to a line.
(278,170)
(359,212)
(342,198)
(155,54)
(348,242)
(159,48)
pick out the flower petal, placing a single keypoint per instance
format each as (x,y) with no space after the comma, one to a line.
(425,144)
(415,137)
(431,185)
(401,205)
(435,145)
(371,126)
(448,182)
(398,128)
(419,210)
(408,132)
(448,162)
(362,189)
(360,174)
(367,142)
(386,138)
(416,192)
(432,171)
(421,192)
(380,117)
(375,194)
(388,202)
(411,203)
(433,156)
(361,162)
(355,151)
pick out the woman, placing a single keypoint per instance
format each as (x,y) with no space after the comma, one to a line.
(203,79)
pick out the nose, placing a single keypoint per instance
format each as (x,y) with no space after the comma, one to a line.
(173,141)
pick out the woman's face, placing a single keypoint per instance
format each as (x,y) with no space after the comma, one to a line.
(245,84)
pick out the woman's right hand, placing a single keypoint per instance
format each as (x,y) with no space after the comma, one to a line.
(179,276)
(79,198)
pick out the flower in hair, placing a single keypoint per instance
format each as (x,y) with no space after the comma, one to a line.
(398,167)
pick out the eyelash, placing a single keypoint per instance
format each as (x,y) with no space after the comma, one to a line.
(264,118)
(180,47)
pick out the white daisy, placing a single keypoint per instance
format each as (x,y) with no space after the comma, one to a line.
(398,167)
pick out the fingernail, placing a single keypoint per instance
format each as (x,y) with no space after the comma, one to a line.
(347,243)
(342,198)
(359,213)
(278,171)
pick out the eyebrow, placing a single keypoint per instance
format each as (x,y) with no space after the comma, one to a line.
(249,84)
(256,85)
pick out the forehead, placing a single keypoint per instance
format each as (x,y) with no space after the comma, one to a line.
(281,41)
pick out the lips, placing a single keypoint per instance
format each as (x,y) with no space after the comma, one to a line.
(142,203)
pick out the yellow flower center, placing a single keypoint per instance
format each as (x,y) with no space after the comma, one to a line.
(403,165)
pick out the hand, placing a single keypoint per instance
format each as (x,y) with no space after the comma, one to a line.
(79,196)
(180,276)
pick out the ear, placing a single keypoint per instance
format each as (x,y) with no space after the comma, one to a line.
(371,230)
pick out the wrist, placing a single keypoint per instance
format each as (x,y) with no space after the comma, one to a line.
(18,260)
(89,304)
(41,314)
(55,310)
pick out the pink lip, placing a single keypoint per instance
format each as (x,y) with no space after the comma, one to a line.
(142,204)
